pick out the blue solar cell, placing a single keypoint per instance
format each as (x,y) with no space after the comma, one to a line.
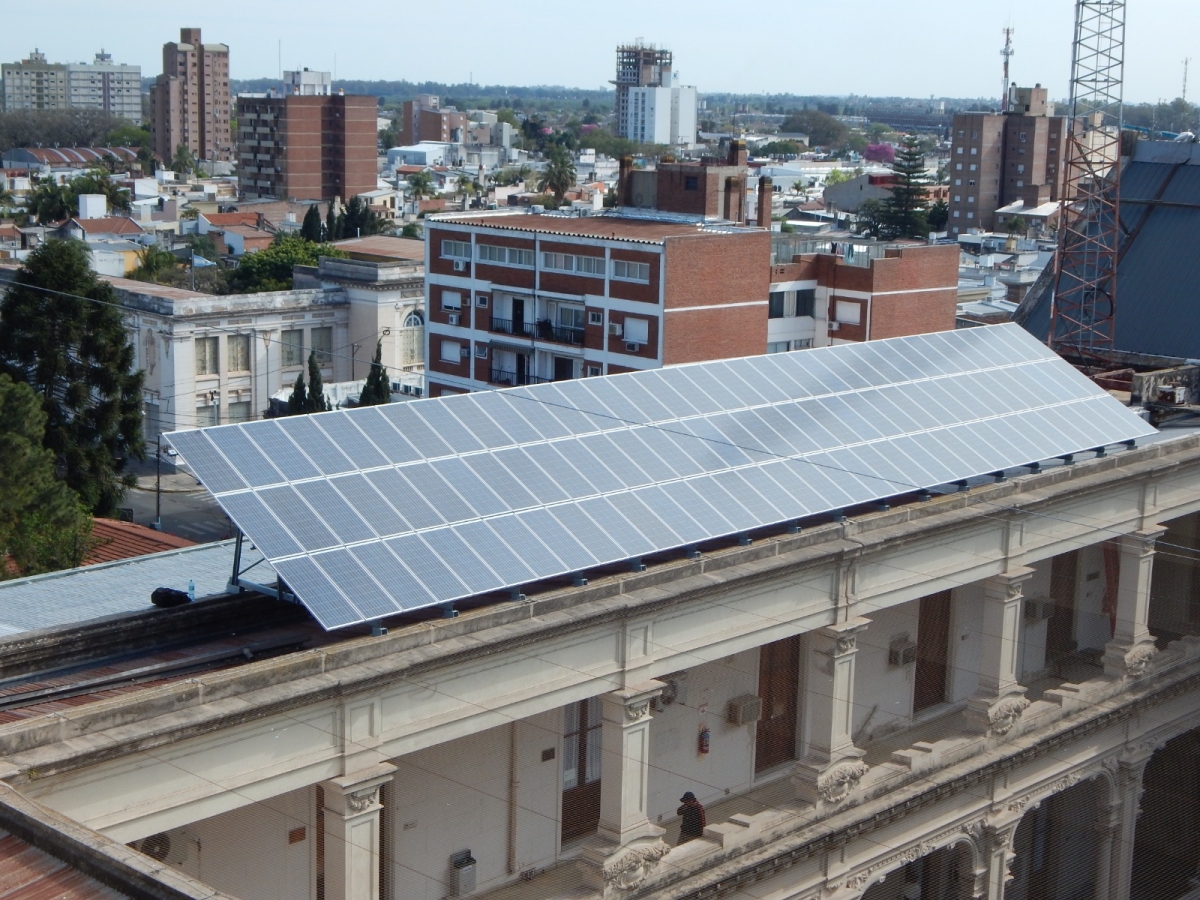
(281,451)
(318,594)
(252,464)
(206,462)
(308,435)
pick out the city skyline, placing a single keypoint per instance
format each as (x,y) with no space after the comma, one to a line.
(926,51)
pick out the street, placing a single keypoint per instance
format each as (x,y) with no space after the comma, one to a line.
(188,510)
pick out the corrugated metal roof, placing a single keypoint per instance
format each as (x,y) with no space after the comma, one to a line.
(27,873)
(1158,312)
(79,595)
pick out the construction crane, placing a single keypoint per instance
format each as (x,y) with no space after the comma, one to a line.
(1085,291)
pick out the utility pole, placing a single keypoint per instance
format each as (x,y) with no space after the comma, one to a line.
(1085,289)
(158,486)
(1007,53)
(1185,68)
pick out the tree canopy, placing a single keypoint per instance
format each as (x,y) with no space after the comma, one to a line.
(559,175)
(904,208)
(378,388)
(311,229)
(43,526)
(270,269)
(823,130)
(61,332)
(309,398)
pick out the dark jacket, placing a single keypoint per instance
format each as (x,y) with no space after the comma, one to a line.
(693,821)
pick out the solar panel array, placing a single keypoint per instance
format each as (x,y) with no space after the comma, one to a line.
(376,511)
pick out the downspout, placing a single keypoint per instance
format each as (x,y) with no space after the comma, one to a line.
(514,785)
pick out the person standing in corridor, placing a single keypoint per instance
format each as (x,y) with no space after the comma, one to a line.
(693,822)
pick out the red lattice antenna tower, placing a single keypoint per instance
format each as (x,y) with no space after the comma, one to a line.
(1085,291)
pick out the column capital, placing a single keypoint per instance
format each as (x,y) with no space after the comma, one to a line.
(1143,540)
(357,793)
(1008,585)
(634,702)
(843,635)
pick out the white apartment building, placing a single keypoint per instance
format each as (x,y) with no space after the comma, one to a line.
(102,84)
(663,115)
(307,83)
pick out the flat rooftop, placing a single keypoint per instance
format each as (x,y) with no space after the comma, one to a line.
(383,247)
(612,226)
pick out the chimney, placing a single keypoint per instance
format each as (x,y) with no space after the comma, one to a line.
(738,155)
(735,198)
(625,182)
(766,190)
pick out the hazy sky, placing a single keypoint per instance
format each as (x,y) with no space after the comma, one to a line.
(912,48)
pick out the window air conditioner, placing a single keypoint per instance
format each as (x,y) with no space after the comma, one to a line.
(614,328)
(834,326)
(406,388)
(453,318)
(460,265)
(417,391)
(902,653)
(481,300)
(744,710)
(481,351)
(632,348)
(464,352)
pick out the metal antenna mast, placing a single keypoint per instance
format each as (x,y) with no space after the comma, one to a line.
(1007,53)
(1085,289)
(1186,60)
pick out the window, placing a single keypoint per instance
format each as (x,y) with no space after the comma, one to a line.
(974,151)
(1020,183)
(207,349)
(570,317)
(1022,137)
(960,134)
(779,346)
(691,183)
(958,182)
(565,262)
(958,198)
(481,300)
(507,256)
(631,271)
(595,317)
(456,250)
(970,215)
(958,150)
(637,331)
(322,343)
(238,412)
(590,265)
(593,371)
(238,347)
(775,305)
(974,167)
(481,351)
(849,312)
(971,183)
(451,300)
(562,261)
(412,340)
(802,344)
(956,214)
(206,415)
(958,167)
(451,352)
(806,301)
(971,198)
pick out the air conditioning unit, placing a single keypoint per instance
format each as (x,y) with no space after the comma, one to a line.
(1036,610)
(464,352)
(614,328)
(481,351)
(406,388)
(632,348)
(460,265)
(902,652)
(170,847)
(834,326)
(417,391)
(674,692)
(744,710)
(453,318)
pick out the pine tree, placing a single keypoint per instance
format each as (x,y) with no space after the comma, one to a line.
(310,230)
(297,404)
(904,210)
(331,224)
(316,390)
(378,388)
(62,333)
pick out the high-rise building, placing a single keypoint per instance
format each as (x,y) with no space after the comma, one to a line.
(1013,159)
(638,65)
(103,84)
(307,83)
(423,119)
(34,83)
(306,147)
(191,105)
(652,106)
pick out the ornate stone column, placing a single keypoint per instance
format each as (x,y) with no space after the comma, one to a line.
(831,766)
(997,845)
(999,701)
(1131,650)
(1129,795)
(627,846)
(352,828)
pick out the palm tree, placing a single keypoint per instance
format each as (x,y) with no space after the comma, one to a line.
(98,181)
(468,186)
(50,202)
(153,262)
(420,185)
(559,175)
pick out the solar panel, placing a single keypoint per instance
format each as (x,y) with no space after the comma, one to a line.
(371,512)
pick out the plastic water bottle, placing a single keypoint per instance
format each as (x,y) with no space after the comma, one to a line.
(191,590)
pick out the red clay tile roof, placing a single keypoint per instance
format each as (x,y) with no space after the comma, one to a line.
(110,225)
(27,873)
(232,218)
(125,540)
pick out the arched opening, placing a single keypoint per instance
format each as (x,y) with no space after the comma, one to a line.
(1166,840)
(412,340)
(944,874)
(1057,846)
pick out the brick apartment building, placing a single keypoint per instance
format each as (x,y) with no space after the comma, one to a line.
(675,275)
(306,147)
(998,161)
(190,99)
(423,119)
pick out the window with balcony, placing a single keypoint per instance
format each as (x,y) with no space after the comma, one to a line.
(207,349)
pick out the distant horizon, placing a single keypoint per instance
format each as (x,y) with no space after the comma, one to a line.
(802,48)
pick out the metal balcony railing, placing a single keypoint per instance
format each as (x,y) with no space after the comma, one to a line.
(507,326)
(506,378)
(562,334)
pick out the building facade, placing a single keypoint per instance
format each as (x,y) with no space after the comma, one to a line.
(307,83)
(34,83)
(662,115)
(103,84)
(989,694)
(424,119)
(306,146)
(638,65)
(1000,160)
(190,100)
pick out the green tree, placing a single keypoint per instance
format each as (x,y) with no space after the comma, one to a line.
(871,218)
(559,175)
(310,229)
(823,130)
(184,162)
(837,176)
(378,387)
(904,208)
(270,269)
(297,404)
(129,135)
(49,202)
(412,230)
(779,148)
(333,221)
(311,398)
(62,333)
(1017,225)
(420,185)
(154,263)
(43,526)
(504,114)
(938,216)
